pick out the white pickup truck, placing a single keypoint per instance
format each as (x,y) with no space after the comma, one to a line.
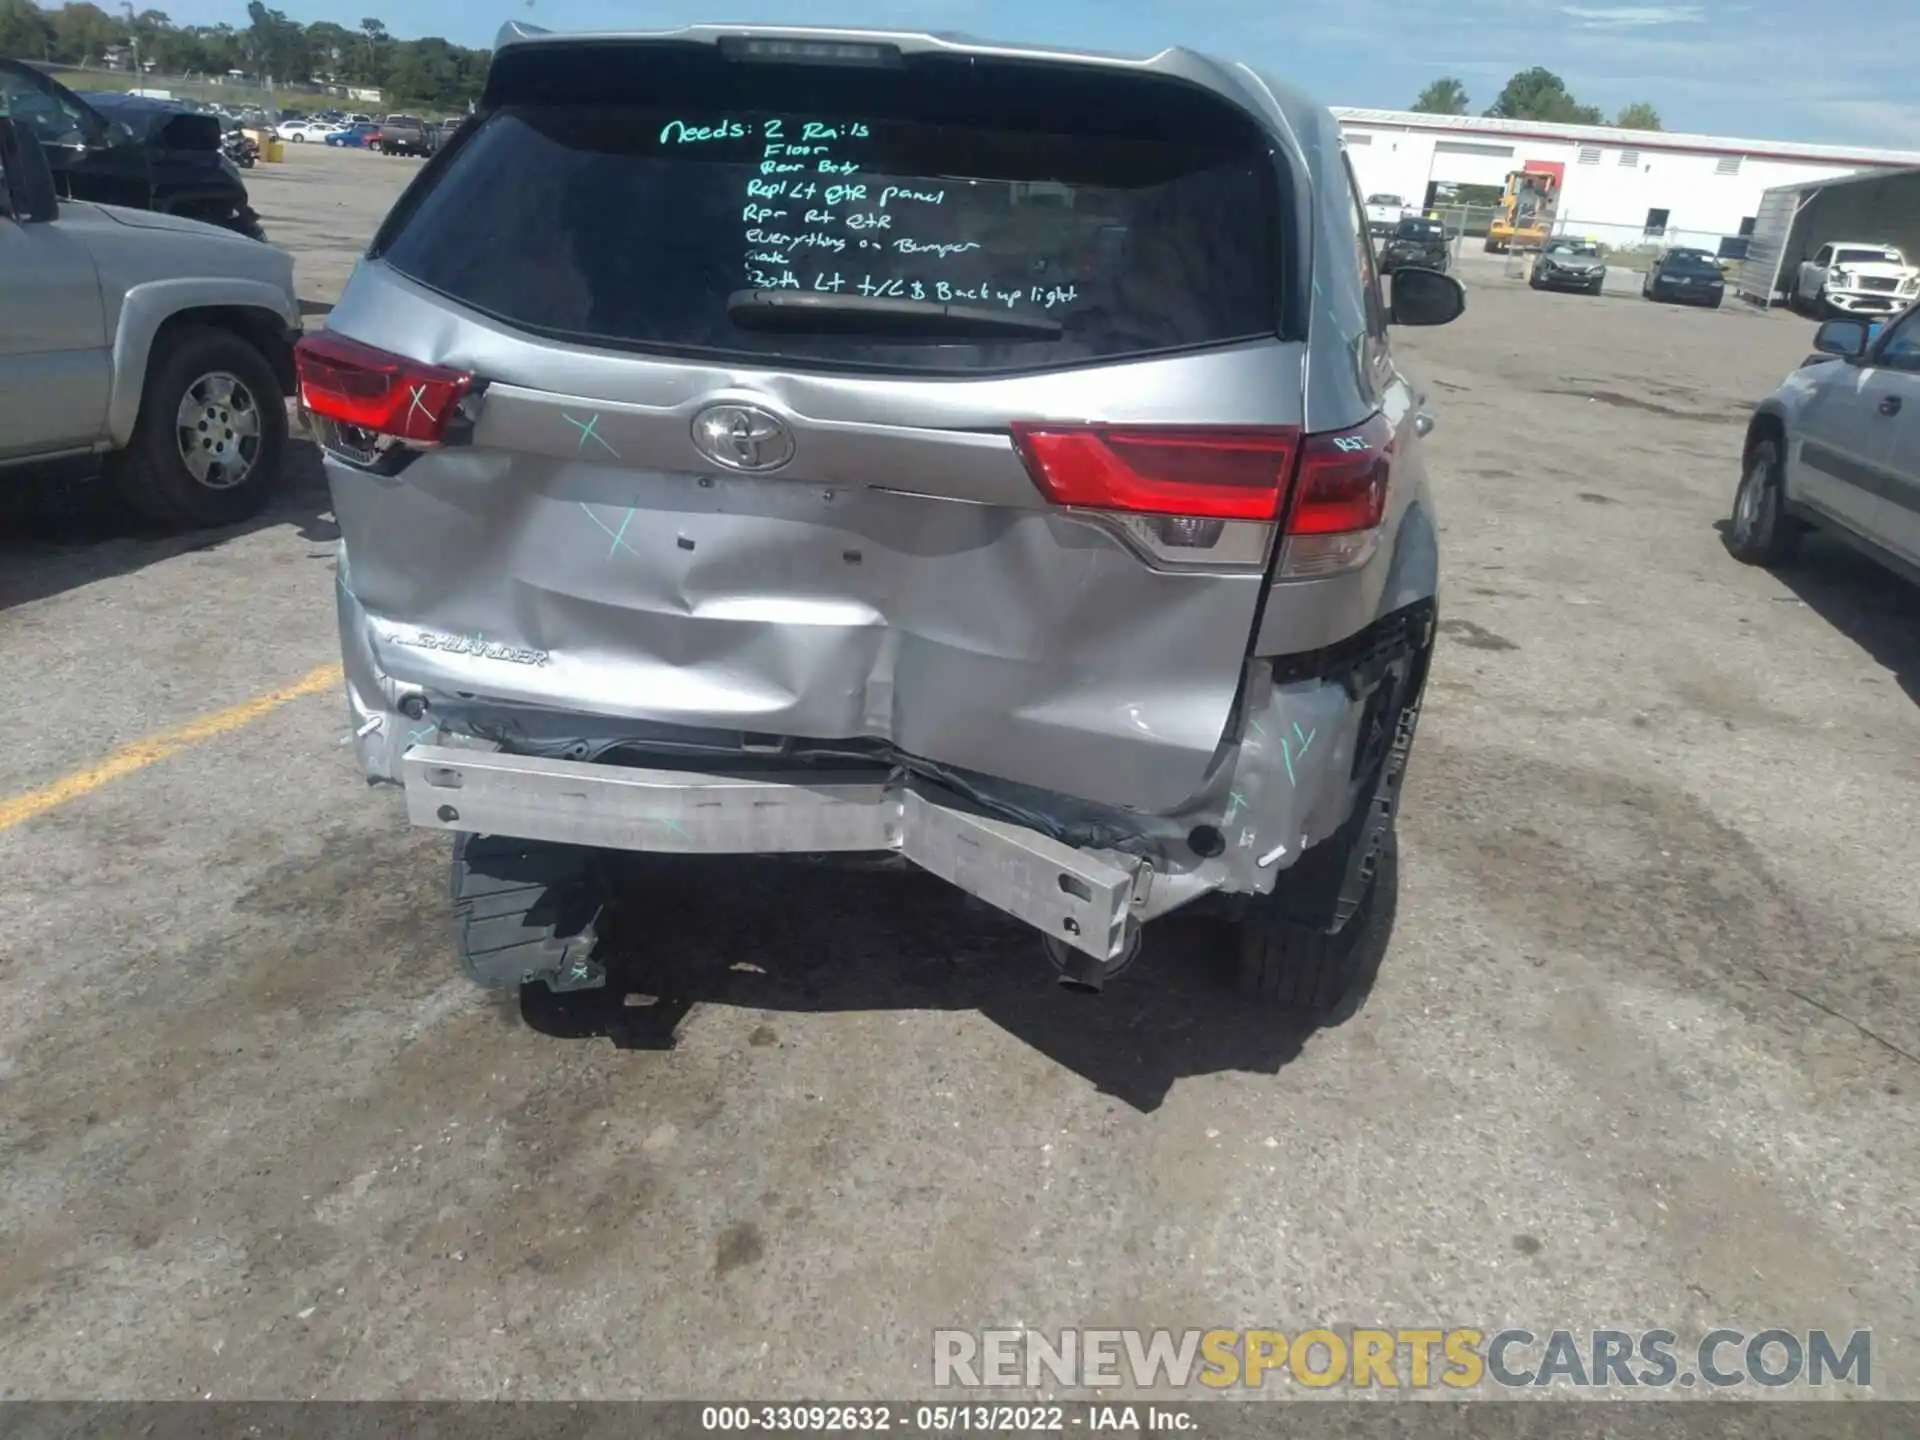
(1384,212)
(1855,277)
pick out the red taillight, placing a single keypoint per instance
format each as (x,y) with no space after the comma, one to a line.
(1217,474)
(1343,480)
(1179,485)
(354,384)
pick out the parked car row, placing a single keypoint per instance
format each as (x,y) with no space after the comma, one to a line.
(1682,275)
(1847,277)
(395,135)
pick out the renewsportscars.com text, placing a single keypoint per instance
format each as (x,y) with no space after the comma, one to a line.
(1461,1358)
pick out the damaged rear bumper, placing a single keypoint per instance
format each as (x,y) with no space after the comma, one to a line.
(1084,897)
(1306,736)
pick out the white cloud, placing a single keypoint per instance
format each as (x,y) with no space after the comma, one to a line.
(1633,17)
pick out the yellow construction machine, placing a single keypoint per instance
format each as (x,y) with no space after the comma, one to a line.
(1527,208)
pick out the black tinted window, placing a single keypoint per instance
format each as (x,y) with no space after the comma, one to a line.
(1901,349)
(634,227)
(1692,264)
(36,105)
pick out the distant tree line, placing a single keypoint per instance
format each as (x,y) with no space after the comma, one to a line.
(1536,94)
(429,73)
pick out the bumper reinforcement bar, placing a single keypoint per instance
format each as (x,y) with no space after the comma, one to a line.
(1082,898)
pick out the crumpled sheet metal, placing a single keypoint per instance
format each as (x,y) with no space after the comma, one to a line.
(1030,645)
(1291,780)
(1280,787)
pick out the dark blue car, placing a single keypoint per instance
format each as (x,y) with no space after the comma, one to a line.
(1685,277)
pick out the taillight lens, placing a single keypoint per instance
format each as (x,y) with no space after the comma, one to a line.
(1206,474)
(1186,494)
(1343,480)
(1339,501)
(382,395)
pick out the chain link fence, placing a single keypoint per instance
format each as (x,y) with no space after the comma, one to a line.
(229,92)
(1464,221)
(224,90)
(1634,247)
(1627,246)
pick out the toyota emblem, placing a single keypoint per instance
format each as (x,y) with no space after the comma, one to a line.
(742,437)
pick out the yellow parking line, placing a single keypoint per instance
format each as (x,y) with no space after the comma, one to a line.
(138,754)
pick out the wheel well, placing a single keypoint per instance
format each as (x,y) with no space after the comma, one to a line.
(1762,427)
(262,329)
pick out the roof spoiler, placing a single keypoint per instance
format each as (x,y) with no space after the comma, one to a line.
(517,30)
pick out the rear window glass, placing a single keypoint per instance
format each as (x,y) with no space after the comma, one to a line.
(642,227)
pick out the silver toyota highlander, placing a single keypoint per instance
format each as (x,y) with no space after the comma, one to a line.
(797,441)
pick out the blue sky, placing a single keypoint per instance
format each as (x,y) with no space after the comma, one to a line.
(1778,69)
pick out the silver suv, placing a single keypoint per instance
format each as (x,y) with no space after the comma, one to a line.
(757,441)
(1837,447)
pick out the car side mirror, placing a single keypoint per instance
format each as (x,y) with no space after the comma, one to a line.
(1845,338)
(27,177)
(1425,297)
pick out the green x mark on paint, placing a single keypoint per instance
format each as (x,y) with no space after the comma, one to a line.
(619,536)
(589,432)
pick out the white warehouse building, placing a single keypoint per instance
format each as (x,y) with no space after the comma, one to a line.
(1617,186)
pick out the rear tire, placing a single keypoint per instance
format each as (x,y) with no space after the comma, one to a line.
(1761,532)
(1322,976)
(152,474)
(524,910)
(1283,954)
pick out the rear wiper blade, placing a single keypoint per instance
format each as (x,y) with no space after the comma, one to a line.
(815,313)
